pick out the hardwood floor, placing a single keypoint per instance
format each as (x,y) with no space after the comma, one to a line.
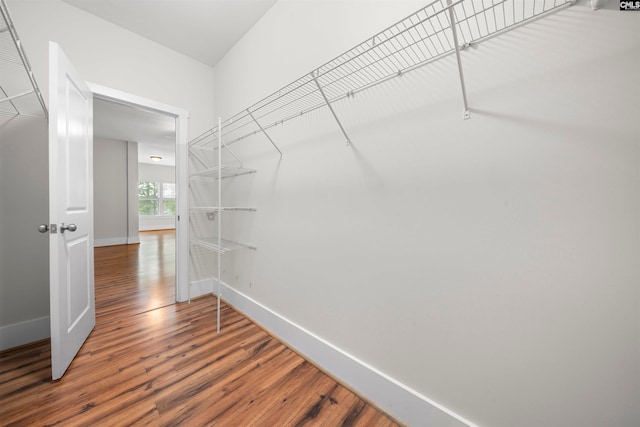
(150,361)
(135,278)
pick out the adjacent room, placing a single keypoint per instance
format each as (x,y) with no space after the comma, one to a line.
(134,180)
(305,212)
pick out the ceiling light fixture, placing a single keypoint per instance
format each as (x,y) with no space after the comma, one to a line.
(155,158)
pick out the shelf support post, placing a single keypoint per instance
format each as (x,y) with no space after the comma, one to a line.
(326,100)
(264,131)
(465,113)
(219,221)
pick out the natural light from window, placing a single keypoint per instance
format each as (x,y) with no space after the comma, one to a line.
(156,198)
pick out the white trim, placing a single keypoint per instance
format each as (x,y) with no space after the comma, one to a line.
(165,222)
(110,241)
(24,332)
(156,227)
(145,104)
(131,240)
(201,287)
(182,190)
(393,397)
(182,209)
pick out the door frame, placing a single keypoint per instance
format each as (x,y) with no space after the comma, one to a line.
(182,174)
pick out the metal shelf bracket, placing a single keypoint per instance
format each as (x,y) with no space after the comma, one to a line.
(263,131)
(452,20)
(326,100)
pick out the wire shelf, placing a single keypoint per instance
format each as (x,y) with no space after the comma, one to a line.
(226,171)
(422,37)
(222,246)
(211,209)
(19,92)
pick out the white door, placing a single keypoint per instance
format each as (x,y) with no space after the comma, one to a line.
(72,300)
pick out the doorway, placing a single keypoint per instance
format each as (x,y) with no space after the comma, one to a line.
(179,118)
(134,209)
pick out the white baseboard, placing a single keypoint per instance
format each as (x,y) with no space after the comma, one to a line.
(24,332)
(110,242)
(156,227)
(116,241)
(401,402)
(201,287)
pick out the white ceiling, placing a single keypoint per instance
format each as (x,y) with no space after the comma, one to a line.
(204,30)
(155,133)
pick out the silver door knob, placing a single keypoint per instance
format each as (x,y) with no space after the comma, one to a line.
(43,228)
(70,227)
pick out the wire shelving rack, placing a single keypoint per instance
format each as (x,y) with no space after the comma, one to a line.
(441,28)
(19,91)
(423,37)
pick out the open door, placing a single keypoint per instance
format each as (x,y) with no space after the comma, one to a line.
(73,313)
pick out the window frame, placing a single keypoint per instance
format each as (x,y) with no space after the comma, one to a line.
(161,198)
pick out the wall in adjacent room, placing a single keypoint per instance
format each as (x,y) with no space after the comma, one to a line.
(115,217)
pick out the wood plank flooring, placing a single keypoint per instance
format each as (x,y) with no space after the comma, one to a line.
(135,278)
(152,362)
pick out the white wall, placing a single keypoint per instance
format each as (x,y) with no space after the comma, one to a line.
(112,185)
(162,173)
(490,264)
(24,253)
(110,191)
(133,223)
(157,173)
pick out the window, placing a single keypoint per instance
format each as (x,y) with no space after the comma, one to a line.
(168,198)
(156,198)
